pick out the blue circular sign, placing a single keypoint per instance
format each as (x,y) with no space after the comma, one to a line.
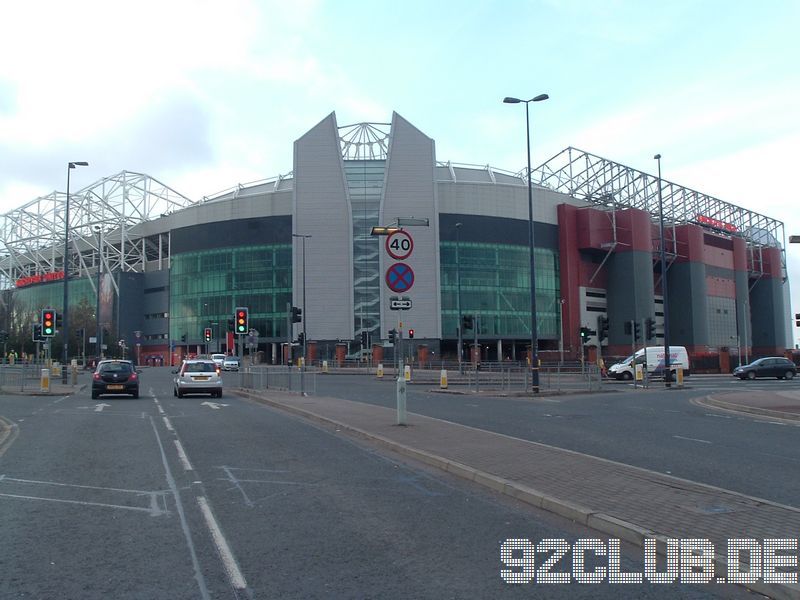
(399,277)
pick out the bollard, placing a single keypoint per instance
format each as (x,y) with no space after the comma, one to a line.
(639,373)
(443,379)
(379,373)
(45,381)
(401,401)
(324,366)
(679,373)
(74,373)
(407,372)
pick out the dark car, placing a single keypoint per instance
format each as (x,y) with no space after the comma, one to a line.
(772,366)
(115,377)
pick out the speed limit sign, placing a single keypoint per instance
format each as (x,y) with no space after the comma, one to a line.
(399,245)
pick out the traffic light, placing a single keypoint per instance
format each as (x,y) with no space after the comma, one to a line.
(392,335)
(241,325)
(797,319)
(207,334)
(364,339)
(466,322)
(230,324)
(183,338)
(59,321)
(301,338)
(297,314)
(650,328)
(602,328)
(48,322)
(585,333)
(637,329)
(411,334)
(37,333)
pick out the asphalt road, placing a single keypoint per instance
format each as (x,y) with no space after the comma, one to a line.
(654,429)
(196,497)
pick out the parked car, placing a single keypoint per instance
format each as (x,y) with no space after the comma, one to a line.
(218,358)
(231,363)
(771,366)
(115,377)
(198,376)
(653,357)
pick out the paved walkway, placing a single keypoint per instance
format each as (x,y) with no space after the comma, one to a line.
(618,500)
(782,404)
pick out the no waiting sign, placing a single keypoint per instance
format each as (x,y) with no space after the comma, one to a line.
(399,244)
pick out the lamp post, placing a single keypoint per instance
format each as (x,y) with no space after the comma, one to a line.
(305,314)
(65,333)
(98,339)
(458,298)
(667,372)
(534,336)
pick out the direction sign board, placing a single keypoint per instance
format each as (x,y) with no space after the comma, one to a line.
(399,277)
(396,303)
(399,244)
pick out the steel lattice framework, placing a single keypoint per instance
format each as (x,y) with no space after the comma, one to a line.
(365,141)
(33,235)
(604,182)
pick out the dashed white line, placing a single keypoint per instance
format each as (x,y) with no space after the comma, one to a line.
(168,424)
(228,561)
(680,437)
(187,466)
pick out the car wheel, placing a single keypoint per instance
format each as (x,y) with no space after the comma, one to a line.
(789,375)
(180,394)
(219,394)
(627,376)
(95,395)
(751,375)
(175,392)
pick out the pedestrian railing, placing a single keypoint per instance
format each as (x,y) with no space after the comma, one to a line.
(289,379)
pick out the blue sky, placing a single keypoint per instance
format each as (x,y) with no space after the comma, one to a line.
(205,95)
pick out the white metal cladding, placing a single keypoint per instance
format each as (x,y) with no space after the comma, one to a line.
(410,192)
(322,210)
(33,235)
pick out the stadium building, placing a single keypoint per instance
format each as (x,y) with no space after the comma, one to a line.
(159,268)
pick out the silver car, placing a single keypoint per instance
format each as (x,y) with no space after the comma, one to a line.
(198,376)
(231,363)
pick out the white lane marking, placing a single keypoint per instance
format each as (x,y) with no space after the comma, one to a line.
(187,466)
(75,485)
(213,405)
(135,508)
(228,561)
(198,572)
(100,407)
(167,423)
(680,437)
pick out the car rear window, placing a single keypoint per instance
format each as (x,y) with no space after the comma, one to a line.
(200,367)
(116,367)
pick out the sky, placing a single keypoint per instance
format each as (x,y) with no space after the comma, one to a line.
(205,95)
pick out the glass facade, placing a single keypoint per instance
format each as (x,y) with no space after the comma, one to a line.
(28,301)
(206,286)
(365,187)
(495,284)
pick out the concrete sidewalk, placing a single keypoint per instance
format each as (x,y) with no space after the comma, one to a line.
(618,500)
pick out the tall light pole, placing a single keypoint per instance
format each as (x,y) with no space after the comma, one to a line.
(98,340)
(65,333)
(458,297)
(305,314)
(665,305)
(534,335)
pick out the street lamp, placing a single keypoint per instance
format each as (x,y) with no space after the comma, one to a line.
(99,332)
(305,314)
(458,298)
(534,337)
(665,305)
(65,333)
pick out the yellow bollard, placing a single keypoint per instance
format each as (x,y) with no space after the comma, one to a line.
(324,366)
(680,375)
(379,373)
(443,379)
(639,373)
(45,381)
(407,372)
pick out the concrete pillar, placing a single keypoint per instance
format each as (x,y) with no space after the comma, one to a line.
(311,352)
(767,311)
(686,281)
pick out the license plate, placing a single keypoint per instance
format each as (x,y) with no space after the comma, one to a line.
(203,378)
(115,386)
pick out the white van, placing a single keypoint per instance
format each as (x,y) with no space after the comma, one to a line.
(653,356)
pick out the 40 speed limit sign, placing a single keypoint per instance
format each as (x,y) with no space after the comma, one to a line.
(399,245)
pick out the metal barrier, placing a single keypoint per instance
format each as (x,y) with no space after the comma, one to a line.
(273,378)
